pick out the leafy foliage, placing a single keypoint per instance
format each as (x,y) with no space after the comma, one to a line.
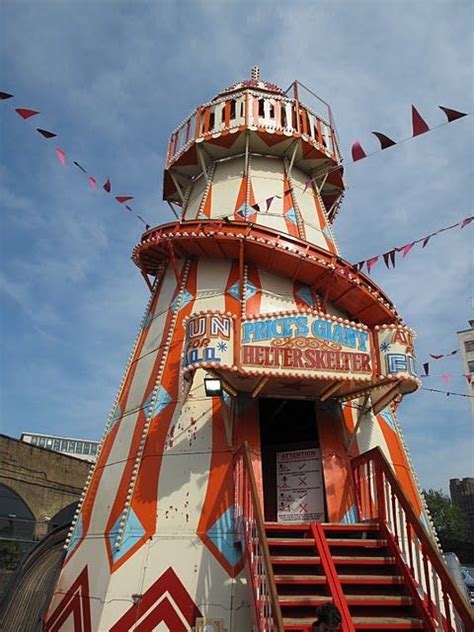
(449,521)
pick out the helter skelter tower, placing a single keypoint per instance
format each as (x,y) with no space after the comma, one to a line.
(192,514)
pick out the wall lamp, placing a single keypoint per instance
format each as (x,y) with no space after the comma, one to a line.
(213,386)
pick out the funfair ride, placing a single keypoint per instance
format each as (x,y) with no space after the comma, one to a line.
(252,467)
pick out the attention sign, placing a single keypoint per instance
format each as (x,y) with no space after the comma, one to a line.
(299,486)
(307,344)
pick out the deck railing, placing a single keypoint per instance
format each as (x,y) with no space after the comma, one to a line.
(251,529)
(251,110)
(380,496)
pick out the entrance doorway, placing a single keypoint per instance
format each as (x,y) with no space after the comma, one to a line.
(293,489)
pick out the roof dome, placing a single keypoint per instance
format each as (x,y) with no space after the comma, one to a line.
(254,83)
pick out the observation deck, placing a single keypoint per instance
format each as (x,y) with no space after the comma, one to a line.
(255,116)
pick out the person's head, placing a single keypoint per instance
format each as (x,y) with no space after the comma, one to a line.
(329,619)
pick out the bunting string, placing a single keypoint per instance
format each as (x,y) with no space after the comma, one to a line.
(447,393)
(389,257)
(419,126)
(26,113)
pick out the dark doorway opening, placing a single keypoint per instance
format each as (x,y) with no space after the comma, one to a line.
(285,425)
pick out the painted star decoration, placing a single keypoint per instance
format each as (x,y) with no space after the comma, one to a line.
(385,346)
(222,346)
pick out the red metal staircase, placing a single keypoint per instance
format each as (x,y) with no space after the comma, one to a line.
(383,573)
(348,564)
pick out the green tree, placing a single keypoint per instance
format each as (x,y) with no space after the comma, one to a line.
(449,521)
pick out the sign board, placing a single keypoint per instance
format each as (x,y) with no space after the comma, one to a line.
(299,486)
(308,345)
(396,351)
(209,340)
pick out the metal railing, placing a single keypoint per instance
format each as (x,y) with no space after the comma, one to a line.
(251,110)
(251,529)
(380,496)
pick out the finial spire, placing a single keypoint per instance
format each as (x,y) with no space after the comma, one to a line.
(255,74)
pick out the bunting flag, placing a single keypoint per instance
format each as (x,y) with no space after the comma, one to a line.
(385,141)
(468,377)
(446,377)
(268,203)
(452,115)
(420,126)
(406,249)
(389,257)
(61,156)
(26,114)
(79,166)
(357,152)
(426,368)
(443,355)
(371,262)
(45,133)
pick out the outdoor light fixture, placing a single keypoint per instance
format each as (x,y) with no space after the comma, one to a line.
(213,386)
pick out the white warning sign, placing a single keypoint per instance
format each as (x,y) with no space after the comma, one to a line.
(300,486)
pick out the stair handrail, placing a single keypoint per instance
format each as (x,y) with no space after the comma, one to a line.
(251,528)
(380,496)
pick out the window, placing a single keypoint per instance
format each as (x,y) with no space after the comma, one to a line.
(469,345)
(261,107)
(470,366)
(56,444)
(79,447)
(41,441)
(86,448)
(64,446)
(93,448)
(34,440)
(71,446)
(49,443)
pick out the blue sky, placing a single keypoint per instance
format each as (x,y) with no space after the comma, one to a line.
(115,78)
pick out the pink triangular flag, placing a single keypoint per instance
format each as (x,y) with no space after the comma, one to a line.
(107,186)
(26,114)
(468,377)
(406,249)
(466,221)
(371,263)
(446,377)
(61,156)
(92,183)
(268,202)
(357,152)
(420,126)
(123,198)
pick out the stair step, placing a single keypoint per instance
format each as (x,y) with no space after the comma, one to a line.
(355,542)
(303,600)
(295,559)
(291,542)
(300,579)
(371,579)
(387,623)
(357,559)
(361,623)
(355,526)
(379,600)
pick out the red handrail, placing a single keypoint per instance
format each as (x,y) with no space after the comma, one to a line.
(251,529)
(330,571)
(380,496)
